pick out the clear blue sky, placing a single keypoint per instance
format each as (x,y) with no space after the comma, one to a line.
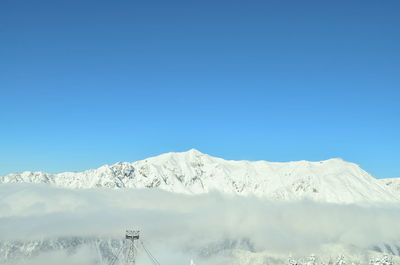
(86,83)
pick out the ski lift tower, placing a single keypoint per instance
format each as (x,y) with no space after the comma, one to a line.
(131,236)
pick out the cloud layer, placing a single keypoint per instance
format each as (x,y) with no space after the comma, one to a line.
(191,222)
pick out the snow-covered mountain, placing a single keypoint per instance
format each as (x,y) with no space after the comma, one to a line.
(393,183)
(98,250)
(102,251)
(193,172)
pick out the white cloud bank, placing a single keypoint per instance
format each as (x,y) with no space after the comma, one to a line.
(191,222)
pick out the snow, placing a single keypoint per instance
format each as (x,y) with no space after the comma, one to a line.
(102,251)
(192,172)
(392,183)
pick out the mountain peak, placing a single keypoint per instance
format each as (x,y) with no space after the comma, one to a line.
(192,154)
(193,172)
(193,151)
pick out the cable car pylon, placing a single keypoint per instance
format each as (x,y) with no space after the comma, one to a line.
(130,248)
(132,236)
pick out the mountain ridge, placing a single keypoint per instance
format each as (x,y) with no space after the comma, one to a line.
(192,172)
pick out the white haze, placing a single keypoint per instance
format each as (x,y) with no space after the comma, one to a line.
(174,222)
(84,256)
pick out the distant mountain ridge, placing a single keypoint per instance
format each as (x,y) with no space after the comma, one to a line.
(192,172)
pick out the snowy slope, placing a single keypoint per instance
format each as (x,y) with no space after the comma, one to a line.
(98,250)
(193,172)
(393,183)
(101,251)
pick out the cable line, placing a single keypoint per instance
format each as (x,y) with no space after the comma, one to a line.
(115,258)
(155,261)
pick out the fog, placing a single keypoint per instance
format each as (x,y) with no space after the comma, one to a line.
(179,222)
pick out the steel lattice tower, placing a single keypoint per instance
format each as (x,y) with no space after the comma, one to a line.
(132,236)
